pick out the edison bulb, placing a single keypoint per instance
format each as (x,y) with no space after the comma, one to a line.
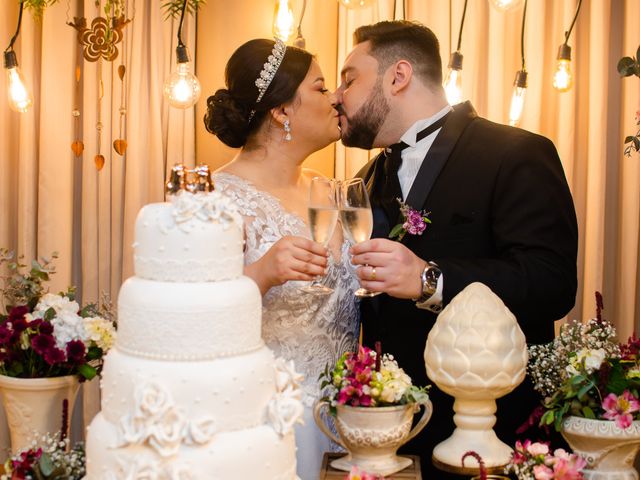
(17,92)
(562,78)
(182,88)
(283,23)
(505,5)
(517,105)
(453,86)
(356,3)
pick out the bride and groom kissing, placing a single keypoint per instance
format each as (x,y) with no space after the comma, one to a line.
(499,203)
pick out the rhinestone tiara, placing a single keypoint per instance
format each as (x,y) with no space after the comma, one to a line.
(269,70)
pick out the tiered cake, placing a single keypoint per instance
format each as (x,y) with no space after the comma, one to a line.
(190,391)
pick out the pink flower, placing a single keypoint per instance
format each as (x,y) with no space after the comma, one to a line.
(537,448)
(357,474)
(620,408)
(542,472)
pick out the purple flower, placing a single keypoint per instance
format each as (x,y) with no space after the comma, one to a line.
(54,355)
(19,325)
(42,343)
(414,222)
(5,335)
(76,351)
(18,312)
(46,328)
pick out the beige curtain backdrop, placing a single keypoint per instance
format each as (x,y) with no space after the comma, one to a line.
(53,201)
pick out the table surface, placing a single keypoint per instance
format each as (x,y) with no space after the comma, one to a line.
(327,472)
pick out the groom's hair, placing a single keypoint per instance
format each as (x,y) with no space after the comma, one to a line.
(396,40)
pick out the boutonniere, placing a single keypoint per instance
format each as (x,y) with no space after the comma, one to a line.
(414,222)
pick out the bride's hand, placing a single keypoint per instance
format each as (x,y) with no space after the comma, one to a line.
(290,258)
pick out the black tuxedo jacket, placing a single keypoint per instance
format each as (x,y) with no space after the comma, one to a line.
(502,214)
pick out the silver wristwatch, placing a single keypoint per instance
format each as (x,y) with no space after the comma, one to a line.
(429,278)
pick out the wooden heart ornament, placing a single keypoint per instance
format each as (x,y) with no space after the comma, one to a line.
(120,146)
(99,161)
(77,147)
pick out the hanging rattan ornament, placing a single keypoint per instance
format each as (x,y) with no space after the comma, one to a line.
(77,146)
(100,40)
(120,144)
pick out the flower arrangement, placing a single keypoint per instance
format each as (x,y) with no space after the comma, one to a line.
(535,461)
(367,378)
(357,474)
(48,335)
(48,458)
(629,66)
(414,222)
(585,372)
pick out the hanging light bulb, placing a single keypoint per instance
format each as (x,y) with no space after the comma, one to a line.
(17,93)
(356,3)
(453,82)
(562,78)
(283,24)
(505,5)
(182,87)
(517,99)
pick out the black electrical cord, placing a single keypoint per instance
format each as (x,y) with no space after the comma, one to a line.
(13,39)
(184,7)
(575,17)
(524,15)
(464,13)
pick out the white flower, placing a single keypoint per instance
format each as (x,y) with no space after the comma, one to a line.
(591,359)
(167,432)
(58,302)
(284,410)
(537,448)
(100,331)
(68,326)
(286,375)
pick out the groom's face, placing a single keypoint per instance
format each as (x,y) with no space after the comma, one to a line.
(361,102)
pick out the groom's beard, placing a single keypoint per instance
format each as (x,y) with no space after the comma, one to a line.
(365,124)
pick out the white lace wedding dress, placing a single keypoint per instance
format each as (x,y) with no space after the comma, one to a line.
(312,330)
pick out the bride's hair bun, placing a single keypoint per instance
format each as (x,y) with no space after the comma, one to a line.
(227,119)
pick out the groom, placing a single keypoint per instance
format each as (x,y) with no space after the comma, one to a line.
(500,207)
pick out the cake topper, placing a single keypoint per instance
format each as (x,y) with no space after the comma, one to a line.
(192,180)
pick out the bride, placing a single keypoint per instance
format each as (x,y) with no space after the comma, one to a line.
(278,122)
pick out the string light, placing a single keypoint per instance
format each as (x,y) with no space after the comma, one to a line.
(356,3)
(562,77)
(453,81)
(283,23)
(520,82)
(182,88)
(17,91)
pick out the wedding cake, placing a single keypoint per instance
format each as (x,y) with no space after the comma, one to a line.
(190,391)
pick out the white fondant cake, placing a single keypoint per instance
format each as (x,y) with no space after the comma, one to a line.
(190,391)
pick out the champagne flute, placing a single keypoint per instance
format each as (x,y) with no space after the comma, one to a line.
(323,217)
(357,218)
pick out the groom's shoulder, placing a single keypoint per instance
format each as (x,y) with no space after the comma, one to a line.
(366,171)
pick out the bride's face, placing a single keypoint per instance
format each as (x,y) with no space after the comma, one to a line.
(313,118)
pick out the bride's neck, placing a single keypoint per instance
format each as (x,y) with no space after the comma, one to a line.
(271,166)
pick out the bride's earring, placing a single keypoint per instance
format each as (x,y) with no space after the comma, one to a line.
(287,130)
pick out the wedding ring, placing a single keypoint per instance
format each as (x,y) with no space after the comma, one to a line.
(372,277)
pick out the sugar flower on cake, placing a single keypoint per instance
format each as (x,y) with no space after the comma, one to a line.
(43,334)
(188,208)
(285,408)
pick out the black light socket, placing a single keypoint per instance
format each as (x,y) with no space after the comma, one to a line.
(564,52)
(10,59)
(455,61)
(521,79)
(182,54)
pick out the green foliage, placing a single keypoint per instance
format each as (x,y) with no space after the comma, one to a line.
(173,8)
(24,288)
(37,7)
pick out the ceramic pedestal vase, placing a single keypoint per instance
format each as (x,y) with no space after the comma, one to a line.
(372,435)
(33,406)
(476,353)
(608,449)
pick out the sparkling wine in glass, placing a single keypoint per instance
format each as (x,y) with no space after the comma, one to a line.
(323,217)
(357,218)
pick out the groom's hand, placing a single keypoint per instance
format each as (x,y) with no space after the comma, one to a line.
(388,266)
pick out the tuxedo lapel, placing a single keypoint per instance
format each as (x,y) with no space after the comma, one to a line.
(439,153)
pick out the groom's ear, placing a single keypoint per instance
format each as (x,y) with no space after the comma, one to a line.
(402,72)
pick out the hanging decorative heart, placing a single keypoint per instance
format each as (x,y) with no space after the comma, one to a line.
(77,147)
(99,161)
(120,146)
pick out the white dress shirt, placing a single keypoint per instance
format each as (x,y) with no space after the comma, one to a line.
(412,158)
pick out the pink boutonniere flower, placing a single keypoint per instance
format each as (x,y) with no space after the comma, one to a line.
(414,222)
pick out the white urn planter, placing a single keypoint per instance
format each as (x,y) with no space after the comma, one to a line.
(476,353)
(608,449)
(372,435)
(33,406)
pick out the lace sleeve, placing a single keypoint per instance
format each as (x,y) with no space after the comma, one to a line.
(265,220)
